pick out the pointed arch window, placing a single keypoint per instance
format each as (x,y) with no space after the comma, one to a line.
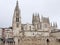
(17,19)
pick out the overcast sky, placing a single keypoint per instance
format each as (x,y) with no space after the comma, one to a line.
(47,8)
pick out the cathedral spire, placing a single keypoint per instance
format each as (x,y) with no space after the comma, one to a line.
(17,6)
(17,2)
(17,17)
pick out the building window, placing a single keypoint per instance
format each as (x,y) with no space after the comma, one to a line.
(17,19)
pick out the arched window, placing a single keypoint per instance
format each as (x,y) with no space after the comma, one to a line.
(58,40)
(47,40)
(17,19)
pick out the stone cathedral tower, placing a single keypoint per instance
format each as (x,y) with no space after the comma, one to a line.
(16,19)
(36,21)
(16,24)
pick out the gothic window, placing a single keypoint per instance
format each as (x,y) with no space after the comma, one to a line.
(17,19)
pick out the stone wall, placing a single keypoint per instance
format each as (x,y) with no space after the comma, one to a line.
(38,41)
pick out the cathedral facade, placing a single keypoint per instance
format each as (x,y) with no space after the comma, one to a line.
(40,32)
